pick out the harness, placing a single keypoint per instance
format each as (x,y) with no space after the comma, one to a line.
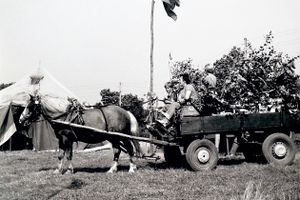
(74,112)
(75,115)
(105,119)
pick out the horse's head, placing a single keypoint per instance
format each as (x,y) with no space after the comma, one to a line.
(32,111)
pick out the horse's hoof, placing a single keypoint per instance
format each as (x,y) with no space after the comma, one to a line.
(110,171)
(69,171)
(132,168)
(57,171)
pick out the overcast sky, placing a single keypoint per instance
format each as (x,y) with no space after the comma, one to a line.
(89,45)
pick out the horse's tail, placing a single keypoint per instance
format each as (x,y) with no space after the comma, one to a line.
(134,129)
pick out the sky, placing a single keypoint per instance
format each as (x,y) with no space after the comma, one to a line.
(90,45)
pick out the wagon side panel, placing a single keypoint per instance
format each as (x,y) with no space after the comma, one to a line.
(261,121)
(210,124)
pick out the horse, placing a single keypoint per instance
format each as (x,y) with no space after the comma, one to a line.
(108,118)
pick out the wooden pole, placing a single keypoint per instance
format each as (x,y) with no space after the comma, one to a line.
(151,148)
(246,47)
(114,134)
(120,94)
(151,46)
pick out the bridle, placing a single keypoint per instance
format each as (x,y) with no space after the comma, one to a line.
(32,110)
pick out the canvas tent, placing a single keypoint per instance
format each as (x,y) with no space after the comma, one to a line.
(54,97)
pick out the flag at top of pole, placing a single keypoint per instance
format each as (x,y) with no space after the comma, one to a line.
(169,7)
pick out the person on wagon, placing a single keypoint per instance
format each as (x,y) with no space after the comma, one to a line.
(170,94)
(172,88)
(187,94)
(210,80)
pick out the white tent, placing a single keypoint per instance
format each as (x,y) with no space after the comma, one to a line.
(54,97)
(41,82)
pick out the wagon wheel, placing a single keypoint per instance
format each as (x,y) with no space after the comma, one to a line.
(173,155)
(279,149)
(202,155)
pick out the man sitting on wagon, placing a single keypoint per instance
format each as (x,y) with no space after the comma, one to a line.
(208,92)
(187,94)
(172,89)
(210,80)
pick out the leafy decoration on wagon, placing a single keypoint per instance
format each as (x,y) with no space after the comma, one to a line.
(249,78)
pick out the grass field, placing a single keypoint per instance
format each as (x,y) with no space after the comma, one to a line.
(29,175)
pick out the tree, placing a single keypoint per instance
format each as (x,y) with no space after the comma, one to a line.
(109,97)
(129,102)
(135,105)
(248,77)
(187,66)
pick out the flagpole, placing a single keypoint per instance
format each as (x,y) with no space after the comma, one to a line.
(151,46)
(170,64)
(151,147)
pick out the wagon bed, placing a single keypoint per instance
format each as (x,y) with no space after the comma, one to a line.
(191,125)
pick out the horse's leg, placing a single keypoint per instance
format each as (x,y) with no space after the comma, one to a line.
(69,156)
(61,155)
(65,150)
(116,151)
(62,151)
(129,147)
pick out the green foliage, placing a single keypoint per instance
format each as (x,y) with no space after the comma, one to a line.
(134,105)
(249,76)
(187,66)
(255,75)
(129,102)
(110,97)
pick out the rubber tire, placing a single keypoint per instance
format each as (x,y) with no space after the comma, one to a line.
(271,157)
(192,155)
(173,155)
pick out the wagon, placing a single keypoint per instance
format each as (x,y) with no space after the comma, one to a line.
(201,139)
(259,136)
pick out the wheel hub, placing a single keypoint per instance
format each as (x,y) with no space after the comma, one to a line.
(279,149)
(203,155)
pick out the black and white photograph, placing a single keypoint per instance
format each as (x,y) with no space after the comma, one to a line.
(150,99)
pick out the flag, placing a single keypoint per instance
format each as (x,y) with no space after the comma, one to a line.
(7,125)
(169,7)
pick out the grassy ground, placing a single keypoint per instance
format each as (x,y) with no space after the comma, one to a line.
(29,175)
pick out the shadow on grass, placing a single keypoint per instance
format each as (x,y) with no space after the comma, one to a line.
(184,165)
(230,162)
(179,164)
(80,169)
(91,169)
(46,169)
(75,184)
(237,160)
(159,165)
(100,169)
